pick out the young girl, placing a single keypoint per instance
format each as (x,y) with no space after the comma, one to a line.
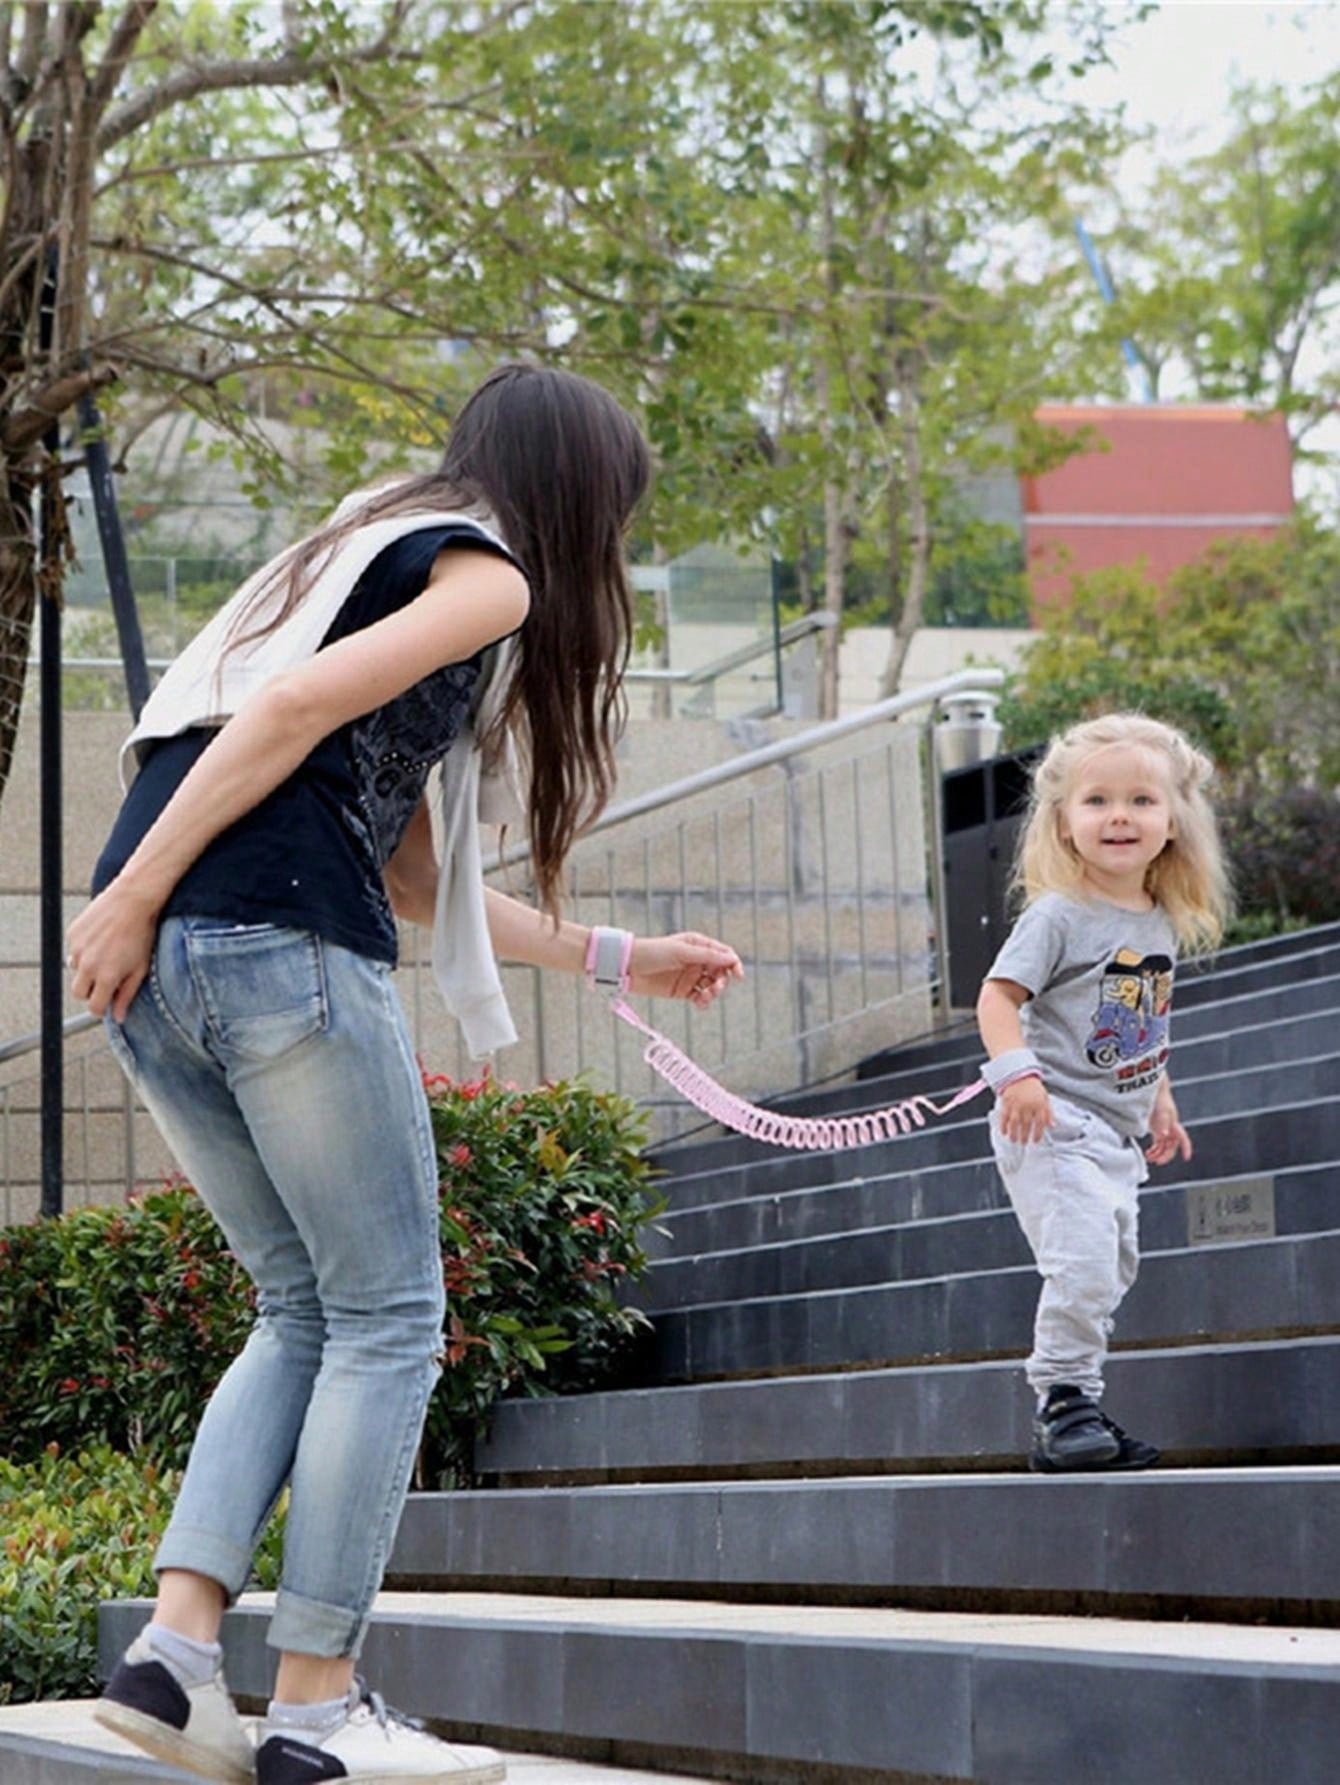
(240,944)
(1120,867)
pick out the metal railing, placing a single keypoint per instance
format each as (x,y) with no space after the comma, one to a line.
(816,856)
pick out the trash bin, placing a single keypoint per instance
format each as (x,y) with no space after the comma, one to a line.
(982,811)
(968,732)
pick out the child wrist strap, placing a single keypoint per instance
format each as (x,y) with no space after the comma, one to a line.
(1007,1068)
(608,953)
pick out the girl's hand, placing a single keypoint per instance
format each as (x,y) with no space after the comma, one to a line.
(1167,1137)
(686,965)
(1025,1111)
(109,947)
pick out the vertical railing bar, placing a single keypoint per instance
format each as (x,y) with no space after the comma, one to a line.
(615,1027)
(649,1075)
(755,970)
(721,922)
(789,865)
(579,1022)
(6,1155)
(860,880)
(683,923)
(822,778)
(83,1100)
(890,767)
(537,1004)
(128,1134)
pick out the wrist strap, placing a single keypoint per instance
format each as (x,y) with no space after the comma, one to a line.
(608,953)
(1015,1063)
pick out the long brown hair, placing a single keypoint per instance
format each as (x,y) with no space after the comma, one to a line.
(560,467)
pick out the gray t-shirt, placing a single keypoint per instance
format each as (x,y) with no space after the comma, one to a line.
(1101,983)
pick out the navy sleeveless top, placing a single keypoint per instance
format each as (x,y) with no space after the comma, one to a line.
(311,854)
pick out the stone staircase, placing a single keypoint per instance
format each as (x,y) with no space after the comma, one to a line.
(808,1548)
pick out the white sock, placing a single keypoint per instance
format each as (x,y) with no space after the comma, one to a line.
(314,1720)
(189,1662)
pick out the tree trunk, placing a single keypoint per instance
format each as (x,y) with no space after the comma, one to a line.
(18,602)
(918,526)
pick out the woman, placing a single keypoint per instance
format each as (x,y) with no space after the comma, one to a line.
(240,944)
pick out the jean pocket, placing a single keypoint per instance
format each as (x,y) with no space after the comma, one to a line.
(263,986)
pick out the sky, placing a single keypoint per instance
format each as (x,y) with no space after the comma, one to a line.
(1174,69)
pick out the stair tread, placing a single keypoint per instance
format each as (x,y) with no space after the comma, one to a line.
(67,1729)
(1230,1644)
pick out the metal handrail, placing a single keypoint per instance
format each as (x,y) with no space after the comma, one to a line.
(757,647)
(705,672)
(962,682)
(29,1044)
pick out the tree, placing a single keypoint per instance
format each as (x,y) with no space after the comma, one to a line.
(1230,269)
(1242,650)
(114,124)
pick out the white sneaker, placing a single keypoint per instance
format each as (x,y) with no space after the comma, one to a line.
(193,1727)
(373,1746)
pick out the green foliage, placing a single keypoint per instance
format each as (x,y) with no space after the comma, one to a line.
(1242,650)
(1285,853)
(543,1199)
(78,1530)
(116,1323)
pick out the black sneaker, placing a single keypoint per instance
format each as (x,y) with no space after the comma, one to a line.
(1071,1432)
(1134,1452)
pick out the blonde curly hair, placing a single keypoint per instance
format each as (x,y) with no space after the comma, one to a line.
(1188,879)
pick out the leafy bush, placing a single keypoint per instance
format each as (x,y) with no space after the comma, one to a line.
(78,1530)
(115,1323)
(1285,854)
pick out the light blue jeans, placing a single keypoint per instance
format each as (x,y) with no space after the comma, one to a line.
(279,1070)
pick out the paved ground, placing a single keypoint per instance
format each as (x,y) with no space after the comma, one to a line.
(72,1724)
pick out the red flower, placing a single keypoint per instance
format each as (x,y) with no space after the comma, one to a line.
(101,1381)
(595,1221)
(70,1386)
(461,1156)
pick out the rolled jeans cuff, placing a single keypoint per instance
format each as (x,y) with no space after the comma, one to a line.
(1014,1063)
(204,1552)
(311,1627)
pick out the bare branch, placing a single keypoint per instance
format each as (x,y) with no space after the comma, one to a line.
(293,69)
(34,41)
(125,35)
(28,424)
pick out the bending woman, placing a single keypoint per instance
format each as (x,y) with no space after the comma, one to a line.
(240,946)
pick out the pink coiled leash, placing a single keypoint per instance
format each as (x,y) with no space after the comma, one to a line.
(810,1134)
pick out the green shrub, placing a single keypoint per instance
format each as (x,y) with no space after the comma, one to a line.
(77,1530)
(115,1323)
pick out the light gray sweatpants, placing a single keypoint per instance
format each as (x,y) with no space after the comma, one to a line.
(1074,1192)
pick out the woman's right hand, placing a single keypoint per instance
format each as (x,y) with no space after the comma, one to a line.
(109,947)
(1025,1111)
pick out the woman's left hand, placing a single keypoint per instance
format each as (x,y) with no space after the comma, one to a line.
(686,965)
(108,949)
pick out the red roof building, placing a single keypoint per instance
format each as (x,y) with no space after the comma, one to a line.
(1162,482)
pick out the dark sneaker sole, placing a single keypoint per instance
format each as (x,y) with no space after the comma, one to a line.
(161,1743)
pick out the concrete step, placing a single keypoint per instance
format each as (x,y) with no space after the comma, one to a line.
(1238,1033)
(1202,1098)
(60,1744)
(766,1693)
(1266,1289)
(1254,1138)
(1222,1048)
(982,1239)
(1166,1544)
(1246,1402)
